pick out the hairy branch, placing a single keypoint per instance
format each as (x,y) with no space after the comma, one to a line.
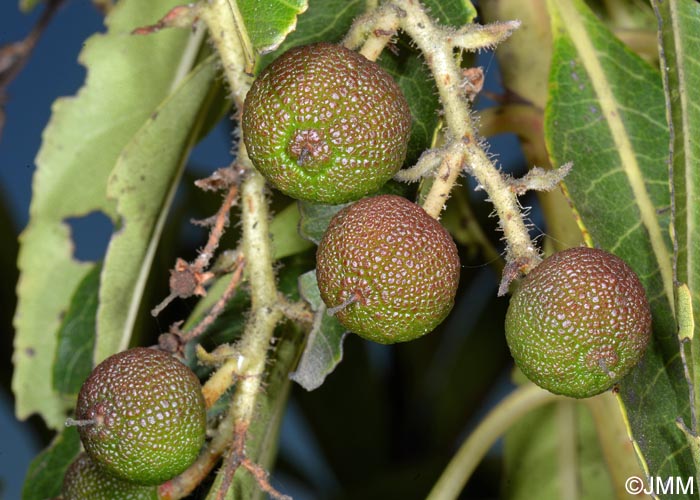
(464,149)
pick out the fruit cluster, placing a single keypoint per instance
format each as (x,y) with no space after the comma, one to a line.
(142,420)
(324,124)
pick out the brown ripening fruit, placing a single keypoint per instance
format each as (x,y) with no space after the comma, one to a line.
(389,269)
(579,322)
(324,124)
(141,416)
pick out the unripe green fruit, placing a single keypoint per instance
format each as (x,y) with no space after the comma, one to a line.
(85,480)
(324,124)
(141,416)
(579,322)
(395,268)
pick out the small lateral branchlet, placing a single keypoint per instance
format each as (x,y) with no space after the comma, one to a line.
(426,165)
(475,37)
(540,179)
(188,279)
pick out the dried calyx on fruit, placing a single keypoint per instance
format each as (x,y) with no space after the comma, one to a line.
(324,124)
(85,480)
(579,322)
(387,269)
(141,416)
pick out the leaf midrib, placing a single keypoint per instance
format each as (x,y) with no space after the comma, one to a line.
(629,164)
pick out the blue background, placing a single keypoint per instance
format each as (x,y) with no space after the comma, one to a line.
(51,71)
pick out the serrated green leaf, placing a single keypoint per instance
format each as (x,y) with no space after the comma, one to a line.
(269,22)
(324,347)
(315,219)
(143,184)
(45,475)
(76,337)
(679,26)
(606,114)
(128,76)
(556,449)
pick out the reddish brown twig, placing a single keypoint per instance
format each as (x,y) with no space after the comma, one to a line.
(232,178)
(188,279)
(220,304)
(237,458)
(262,478)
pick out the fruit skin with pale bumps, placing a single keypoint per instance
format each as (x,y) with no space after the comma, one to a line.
(142,416)
(86,480)
(579,322)
(324,124)
(390,269)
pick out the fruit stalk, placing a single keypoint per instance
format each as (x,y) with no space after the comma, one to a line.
(184,484)
(379,27)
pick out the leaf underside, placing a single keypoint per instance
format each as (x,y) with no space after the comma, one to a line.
(606,114)
(143,183)
(679,25)
(324,346)
(80,147)
(556,448)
